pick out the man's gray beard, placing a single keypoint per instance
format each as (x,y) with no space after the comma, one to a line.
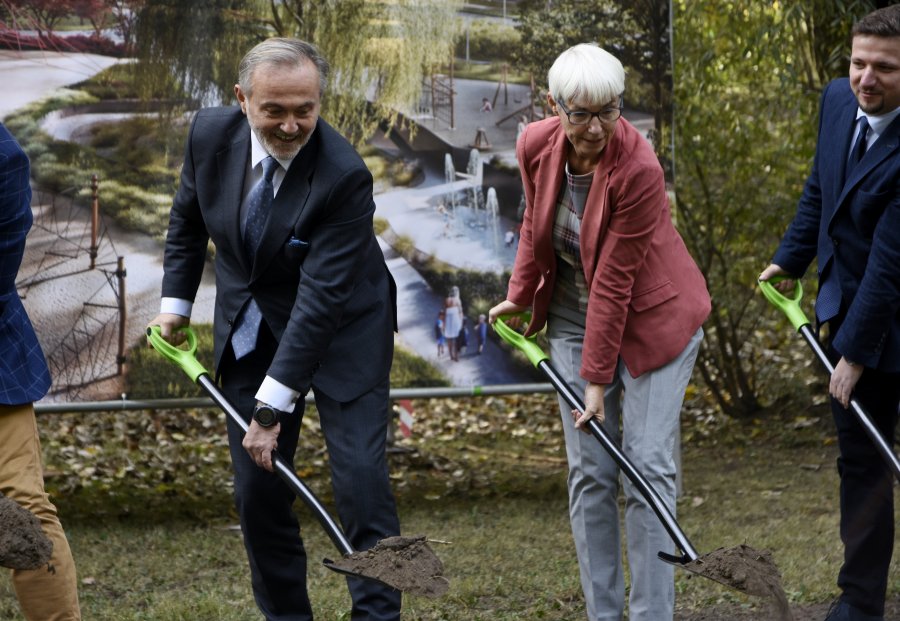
(277,149)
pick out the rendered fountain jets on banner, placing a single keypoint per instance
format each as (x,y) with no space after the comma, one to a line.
(467,209)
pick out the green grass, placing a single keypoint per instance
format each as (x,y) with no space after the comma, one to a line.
(490,71)
(486,475)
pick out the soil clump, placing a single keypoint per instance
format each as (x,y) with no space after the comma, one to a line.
(23,545)
(748,570)
(405,563)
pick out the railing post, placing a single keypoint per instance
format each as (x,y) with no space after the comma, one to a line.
(452,99)
(123,315)
(95,218)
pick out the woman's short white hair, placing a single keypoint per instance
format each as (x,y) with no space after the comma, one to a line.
(588,73)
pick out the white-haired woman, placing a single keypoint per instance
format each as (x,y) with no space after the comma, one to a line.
(601,264)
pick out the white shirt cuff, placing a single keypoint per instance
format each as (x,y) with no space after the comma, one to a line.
(277,395)
(176,306)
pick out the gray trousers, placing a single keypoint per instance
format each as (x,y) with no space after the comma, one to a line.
(647,410)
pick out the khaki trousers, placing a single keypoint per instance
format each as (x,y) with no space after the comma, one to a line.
(49,593)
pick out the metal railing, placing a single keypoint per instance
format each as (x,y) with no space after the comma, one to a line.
(206,402)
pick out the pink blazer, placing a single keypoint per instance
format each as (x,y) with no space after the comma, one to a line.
(647,296)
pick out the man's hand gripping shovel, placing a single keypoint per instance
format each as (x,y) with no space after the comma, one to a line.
(403,563)
(741,568)
(790,306)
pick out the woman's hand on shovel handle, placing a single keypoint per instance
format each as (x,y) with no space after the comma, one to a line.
(507,308)
(593,406)
(843,380)
(260,442)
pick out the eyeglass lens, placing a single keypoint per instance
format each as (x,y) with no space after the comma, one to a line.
(583,117)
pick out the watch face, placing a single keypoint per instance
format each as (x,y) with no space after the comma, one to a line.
(265,416)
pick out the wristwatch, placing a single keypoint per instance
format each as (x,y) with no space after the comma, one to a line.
(265,415)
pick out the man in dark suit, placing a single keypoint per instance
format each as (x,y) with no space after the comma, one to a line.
(849,218)
(311,282)
(49,593)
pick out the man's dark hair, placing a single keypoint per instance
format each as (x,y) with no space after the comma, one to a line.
(881,23)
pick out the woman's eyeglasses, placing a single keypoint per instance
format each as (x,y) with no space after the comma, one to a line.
(583,117)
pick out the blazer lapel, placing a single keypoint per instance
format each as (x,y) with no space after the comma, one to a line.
(886,144)
(596,211)
(232,166)
(547,185)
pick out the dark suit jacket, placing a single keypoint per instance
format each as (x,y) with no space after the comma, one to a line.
(853,227)
(24,376)
(319,276)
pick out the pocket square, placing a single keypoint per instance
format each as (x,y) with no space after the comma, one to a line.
(293,242)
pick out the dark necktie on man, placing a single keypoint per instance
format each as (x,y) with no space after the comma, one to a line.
(859,147)
(828,302)
(243,339)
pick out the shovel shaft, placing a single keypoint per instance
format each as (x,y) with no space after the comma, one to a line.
(283,470)
(884,449)
(650,495)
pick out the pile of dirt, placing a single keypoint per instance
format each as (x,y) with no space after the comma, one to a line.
(23,545)
(405,563)
(748,570)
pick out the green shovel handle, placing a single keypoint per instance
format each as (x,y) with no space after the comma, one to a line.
(526,345)
(184,358)
(790,306)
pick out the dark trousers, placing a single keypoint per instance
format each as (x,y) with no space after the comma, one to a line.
(867,499)
(355,435)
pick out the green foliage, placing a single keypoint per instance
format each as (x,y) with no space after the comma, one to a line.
(194,48)
(136,160)
(823,37)
(488,41)
(143,152)
(379,51)
(547,29)
(636,32)
(412,371)
(744,141)
(388,172)
(117,83)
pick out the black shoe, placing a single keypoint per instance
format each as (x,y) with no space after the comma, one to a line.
(842,611)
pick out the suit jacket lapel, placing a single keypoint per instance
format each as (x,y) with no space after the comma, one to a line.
(232,164)
(886,144)
(883,147)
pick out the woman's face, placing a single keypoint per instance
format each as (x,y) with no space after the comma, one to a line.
(588,140)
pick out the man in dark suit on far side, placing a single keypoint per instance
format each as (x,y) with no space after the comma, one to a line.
(849,219)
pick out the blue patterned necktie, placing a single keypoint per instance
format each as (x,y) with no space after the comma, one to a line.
(246,329)
(258,203)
